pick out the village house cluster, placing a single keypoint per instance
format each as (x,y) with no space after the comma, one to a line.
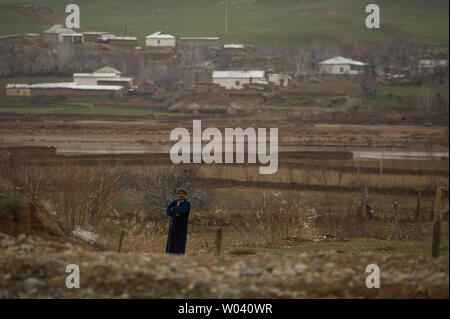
(109,81)
(104,81)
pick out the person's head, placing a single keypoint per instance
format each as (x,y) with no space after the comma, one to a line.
(181,193)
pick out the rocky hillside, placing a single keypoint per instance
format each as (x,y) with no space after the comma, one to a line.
(34,253)
(34,268)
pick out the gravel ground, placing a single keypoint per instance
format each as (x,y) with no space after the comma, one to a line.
(33,268)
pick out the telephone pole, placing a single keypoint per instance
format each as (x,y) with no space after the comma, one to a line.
(226,17)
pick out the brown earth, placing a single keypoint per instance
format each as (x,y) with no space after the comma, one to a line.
(20,214)
(39,272)
(39,13)
(147,130)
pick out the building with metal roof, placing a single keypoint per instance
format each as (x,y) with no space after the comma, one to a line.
(103,75)
(56,32)
(341,66)
(160,39)
(237,79)
(61,89)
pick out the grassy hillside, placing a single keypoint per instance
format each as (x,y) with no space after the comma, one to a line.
(262,22)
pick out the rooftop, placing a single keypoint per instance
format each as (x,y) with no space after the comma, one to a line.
(238,74)
(341,60)
(122,38)
(63,85)
(234,46)
(107,69)
(160,35)
(59,28)
(199,38)
(115,79)
(95,75)
(95,32)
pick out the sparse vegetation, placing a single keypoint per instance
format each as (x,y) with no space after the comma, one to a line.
(360,157)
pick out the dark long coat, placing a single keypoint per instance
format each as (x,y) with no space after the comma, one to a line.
(179,216)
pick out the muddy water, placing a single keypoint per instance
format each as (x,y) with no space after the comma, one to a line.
(404,155)
(88,145)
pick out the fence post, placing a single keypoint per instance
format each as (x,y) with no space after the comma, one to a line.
(219,235)
(417,212)
(395,211)
(432,210)
(369,209)
(122,234)
(436,247)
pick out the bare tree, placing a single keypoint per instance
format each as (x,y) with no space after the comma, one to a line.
(154,189)
(368,84)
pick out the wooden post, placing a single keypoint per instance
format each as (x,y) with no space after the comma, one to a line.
(436,247)
(417,211)
(432,210)
(226,17)
(219,235)
(369,210)
(122,234)
(395,211)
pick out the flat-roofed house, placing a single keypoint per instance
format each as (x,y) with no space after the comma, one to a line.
(237,79)
(105,37)
(91,78)
(125,41)
(122,81)
(104,81)
(195,42)
(428,66)
(104,76)
(72,38)
(237,49)
(341,66)
(160,39)
(61,89)
(279,79)
(56,32)
(93,36)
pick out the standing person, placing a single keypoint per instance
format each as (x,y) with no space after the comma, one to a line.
(178,210)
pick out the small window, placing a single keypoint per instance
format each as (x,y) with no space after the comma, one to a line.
(341,69)
(159,41)
(238,83)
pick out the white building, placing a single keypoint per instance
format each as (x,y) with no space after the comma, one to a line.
(341,66)
(72,38)
(112,39)
(236,79)
(61,89)
(196,42)
(105,37)
(234,46)
(93,36)
(429,66)
(101,76)
(160,39)
(56,32)
(279,79)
